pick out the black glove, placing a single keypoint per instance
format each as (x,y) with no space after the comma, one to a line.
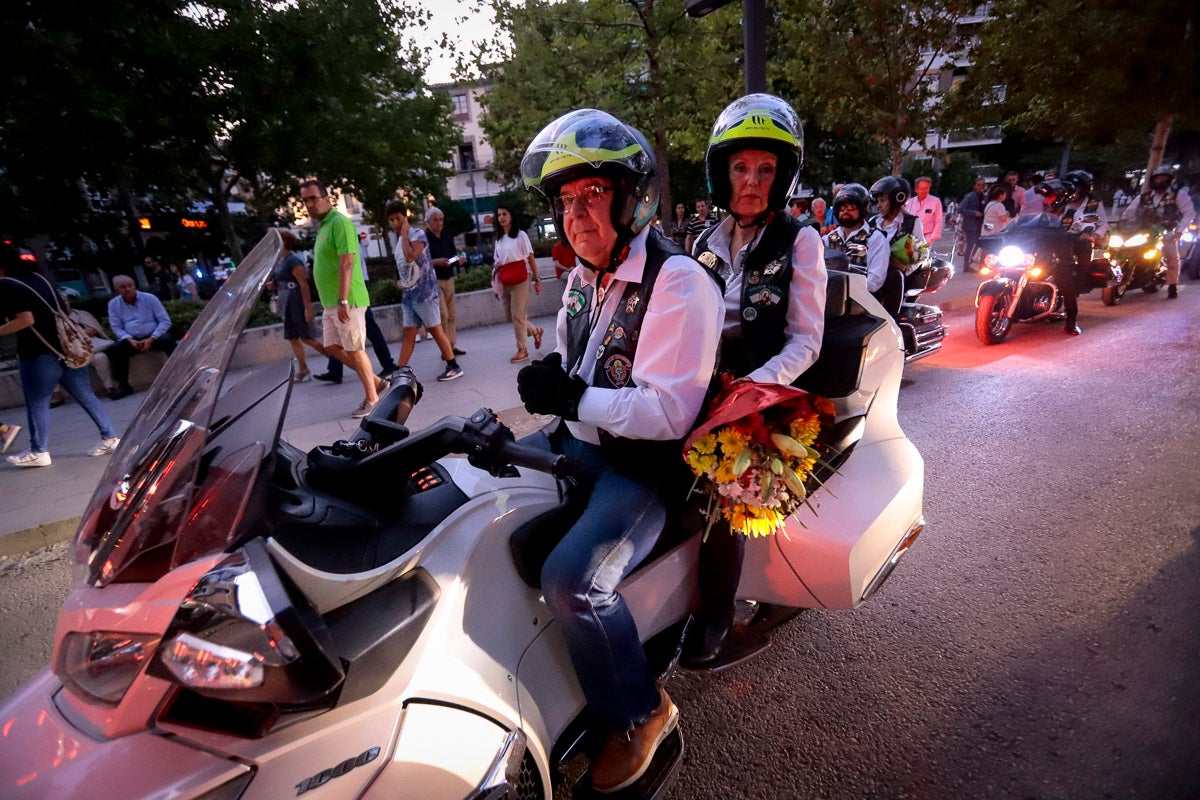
(546,389)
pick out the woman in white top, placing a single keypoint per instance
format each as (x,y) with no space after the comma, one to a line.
(995,215)
(513,245)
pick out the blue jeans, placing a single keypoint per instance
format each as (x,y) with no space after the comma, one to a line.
(39,376)
(616,532)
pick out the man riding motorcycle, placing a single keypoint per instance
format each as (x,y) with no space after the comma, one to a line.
(866,247)
(626,394)
(1065,248)
(1161,205)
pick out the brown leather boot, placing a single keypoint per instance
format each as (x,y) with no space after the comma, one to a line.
(626,756)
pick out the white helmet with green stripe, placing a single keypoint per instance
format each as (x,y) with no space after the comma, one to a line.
(756,122)
(589,142)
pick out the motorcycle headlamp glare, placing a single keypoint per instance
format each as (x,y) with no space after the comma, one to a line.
(1115,240)
(1150,254)
(1137,240)
(1011,256)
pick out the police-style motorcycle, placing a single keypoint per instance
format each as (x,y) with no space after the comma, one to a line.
(1019,267)
(922,326)
(1138,256)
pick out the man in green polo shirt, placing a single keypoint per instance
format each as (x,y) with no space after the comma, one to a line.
(341,286)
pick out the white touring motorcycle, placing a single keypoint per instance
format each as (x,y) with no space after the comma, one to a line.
(363,620)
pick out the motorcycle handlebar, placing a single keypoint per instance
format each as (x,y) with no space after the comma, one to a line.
(522,455)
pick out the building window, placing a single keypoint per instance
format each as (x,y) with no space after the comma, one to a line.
(462,106)
(466,156)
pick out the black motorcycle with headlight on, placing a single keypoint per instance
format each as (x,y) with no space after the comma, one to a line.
(1139,257)
(1019,267)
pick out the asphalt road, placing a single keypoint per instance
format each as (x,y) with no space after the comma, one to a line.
(1040,642)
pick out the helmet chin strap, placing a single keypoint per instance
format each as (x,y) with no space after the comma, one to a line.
(614,261)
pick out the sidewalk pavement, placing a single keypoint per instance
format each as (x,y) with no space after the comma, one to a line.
(42,506)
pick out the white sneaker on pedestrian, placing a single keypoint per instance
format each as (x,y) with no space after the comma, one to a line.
(8,437)
(29,459)
(106,447)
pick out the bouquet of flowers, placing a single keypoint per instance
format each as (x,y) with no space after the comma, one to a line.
(907,252)
(755,452)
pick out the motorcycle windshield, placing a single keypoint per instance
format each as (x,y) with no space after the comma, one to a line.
(148,495)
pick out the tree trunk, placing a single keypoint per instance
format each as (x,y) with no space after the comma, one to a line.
(1161,131)
(653,73)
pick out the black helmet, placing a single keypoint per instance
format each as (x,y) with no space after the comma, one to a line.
(855,194)
(1054,192)
(895,189)
(1079,184)
(756,122)
(589,142)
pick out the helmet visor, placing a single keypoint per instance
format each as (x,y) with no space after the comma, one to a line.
(586,137)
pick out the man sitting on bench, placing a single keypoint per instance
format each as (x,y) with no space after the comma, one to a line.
(140,324)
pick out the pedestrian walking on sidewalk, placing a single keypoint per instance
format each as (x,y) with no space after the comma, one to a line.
(514,256)
(26,300)
(289,280)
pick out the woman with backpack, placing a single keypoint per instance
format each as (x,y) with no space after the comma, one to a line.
(27,300)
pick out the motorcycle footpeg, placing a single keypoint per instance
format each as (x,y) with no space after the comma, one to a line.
(741,644)
(652,785)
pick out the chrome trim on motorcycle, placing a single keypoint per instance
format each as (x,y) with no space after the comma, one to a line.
(901,548)
(503,777)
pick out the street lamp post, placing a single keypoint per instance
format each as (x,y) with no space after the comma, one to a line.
(474,203)
(754,14)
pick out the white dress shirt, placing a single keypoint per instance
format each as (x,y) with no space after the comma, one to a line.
(676,352)
(806,302)
(1183,202)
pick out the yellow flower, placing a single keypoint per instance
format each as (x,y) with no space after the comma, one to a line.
(724,472)
(705,444)
(731,441)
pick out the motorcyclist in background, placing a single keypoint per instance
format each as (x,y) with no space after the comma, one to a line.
(1161,205)
(1083,207)
(896,224)
(866,247)
(1055,195)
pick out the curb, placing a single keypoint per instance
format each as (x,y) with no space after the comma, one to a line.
(19,543)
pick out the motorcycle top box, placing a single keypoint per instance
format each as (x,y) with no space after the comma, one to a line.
(360,621)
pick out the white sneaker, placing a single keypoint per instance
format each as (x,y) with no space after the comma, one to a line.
(29,459)
(106,447)
(8,437)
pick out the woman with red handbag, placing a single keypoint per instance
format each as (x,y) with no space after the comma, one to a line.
(514,264)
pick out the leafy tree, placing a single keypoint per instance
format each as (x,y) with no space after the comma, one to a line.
(458,216)
(641,60)
(867,67)
(1090,72)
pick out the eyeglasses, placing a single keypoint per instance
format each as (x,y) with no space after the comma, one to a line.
(588,195)
(310,198)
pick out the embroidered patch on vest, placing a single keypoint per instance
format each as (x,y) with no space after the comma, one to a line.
(709,259)
(754,279)
(775,266)
(619,333)
(749,313)
(632,305)
(766,296)
(619,370)
(576,302)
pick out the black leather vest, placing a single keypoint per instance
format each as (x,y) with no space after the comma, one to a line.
(855,246)
(650,460)
(907,223)
(1166,214)
(766,280)
(1090,207)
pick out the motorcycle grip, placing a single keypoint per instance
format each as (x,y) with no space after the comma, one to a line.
(522,455)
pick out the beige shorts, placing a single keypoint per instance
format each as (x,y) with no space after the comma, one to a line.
(349,336)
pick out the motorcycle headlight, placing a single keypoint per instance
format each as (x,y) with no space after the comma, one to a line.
(1151,254)
(1115,240)
(1011,256)
(102,665)
(1036,272)
(241,635)
(1137,240)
